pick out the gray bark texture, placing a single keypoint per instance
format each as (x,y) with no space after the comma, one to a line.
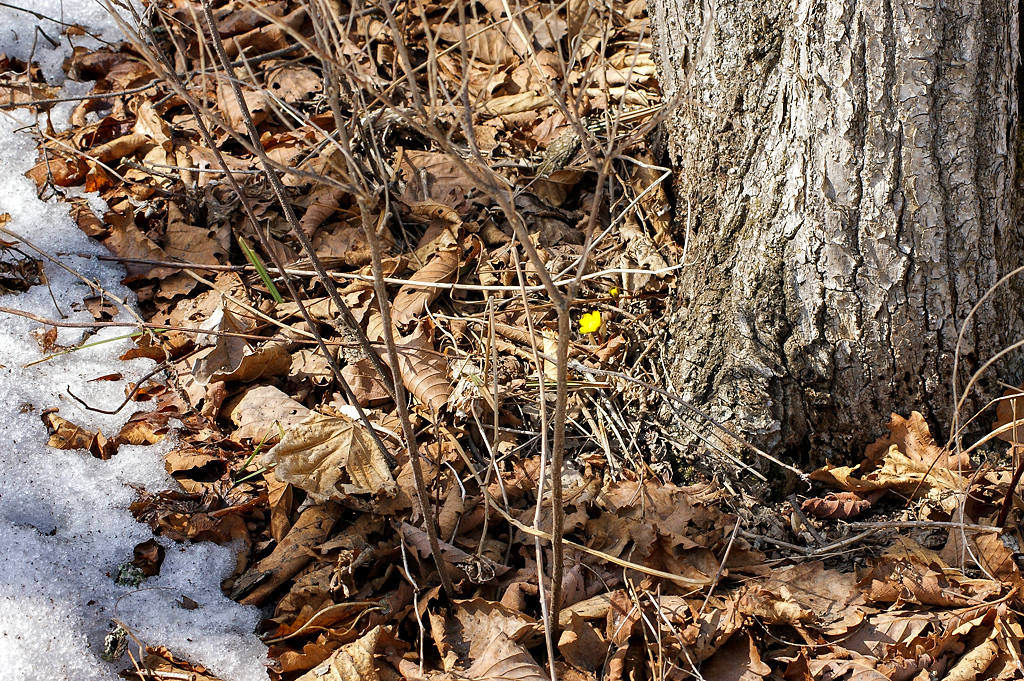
(847,186)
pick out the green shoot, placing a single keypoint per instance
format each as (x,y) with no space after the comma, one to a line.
(261,269)
(255,450)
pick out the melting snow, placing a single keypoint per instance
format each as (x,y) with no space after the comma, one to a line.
(64,523)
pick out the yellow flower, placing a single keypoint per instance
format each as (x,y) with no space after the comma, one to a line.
(613,292)
(590,322)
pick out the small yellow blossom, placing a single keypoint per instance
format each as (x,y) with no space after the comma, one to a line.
(590,322)
(613,292)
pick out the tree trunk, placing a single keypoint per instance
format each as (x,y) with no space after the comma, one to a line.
(846,182)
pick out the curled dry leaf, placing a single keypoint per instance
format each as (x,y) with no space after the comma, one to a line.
(116,149)
(271,359)
(233,358)
(998,559)
(146,345)
(899,472)
(22,91)
(63,170)
(412,301)
(424,370)
(842,505)
(318,455)
(1011,410)
(66,435)
(910,573)
(352,662)
(341,243)
(581,644)
(128,241)
(311,528)
(162,664)
(149,556)
(912,437)
(322,203)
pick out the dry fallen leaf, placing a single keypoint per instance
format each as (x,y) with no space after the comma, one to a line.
(262,412)
(843,505)
(292,554)
(505,660)
(737,660)
(412,301)
(66,435)
(424,370)
(319,454)
(352,662)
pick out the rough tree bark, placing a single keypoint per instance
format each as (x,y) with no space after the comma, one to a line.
(848,171)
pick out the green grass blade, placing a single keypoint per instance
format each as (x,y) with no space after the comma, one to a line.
(261,269)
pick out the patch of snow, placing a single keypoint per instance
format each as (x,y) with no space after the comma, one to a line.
(64,521)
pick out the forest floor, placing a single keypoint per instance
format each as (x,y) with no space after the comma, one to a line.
(469,198)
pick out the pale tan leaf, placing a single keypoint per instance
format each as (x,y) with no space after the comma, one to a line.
(886,629)
(998,560)
(505,660)
(281,499)
(22,91)
(309,364)
(116,149)
(484,41)
(910,573)
(974,662)
(294,83)
(188,243)
(255,102)
(913,438)
(321,453)
(233,358)
(66,435)
(478,621)
(832,596)
(262,412)
(352,662)
(128,241)
(66,171)
(512,104)
(477,569)
(342,243)
(856,669)
(906,474)
(149,123)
